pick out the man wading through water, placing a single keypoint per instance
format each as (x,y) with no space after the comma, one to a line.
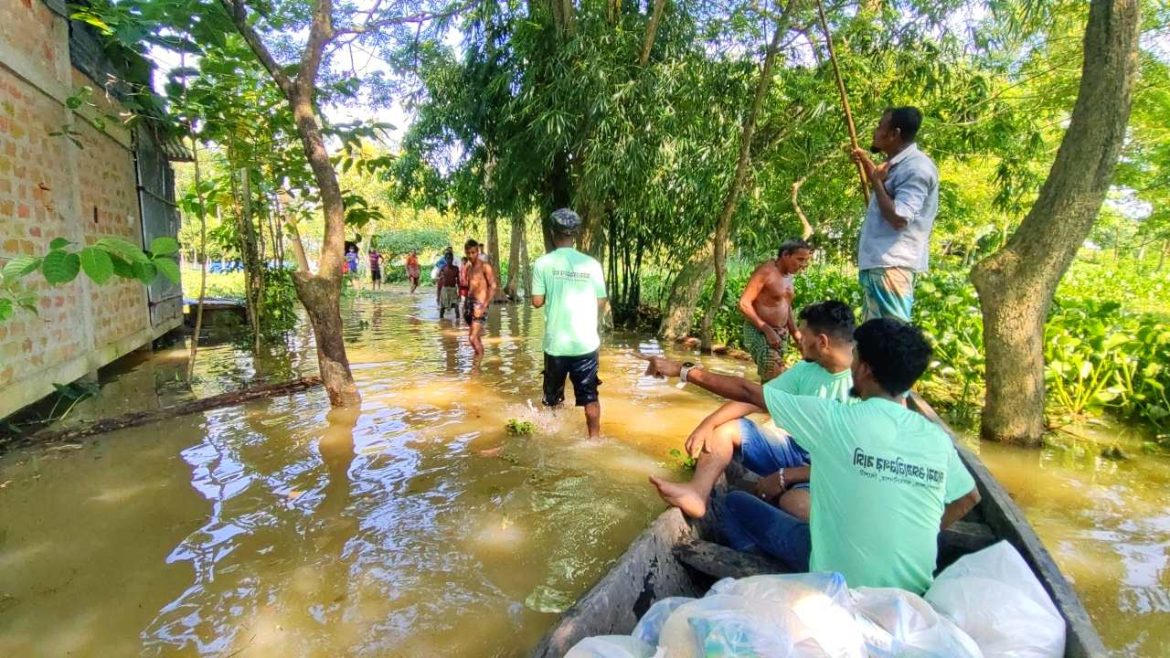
(766,305)
(481,290)
(569,285)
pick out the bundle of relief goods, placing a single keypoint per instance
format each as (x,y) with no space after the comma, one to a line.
(986,605)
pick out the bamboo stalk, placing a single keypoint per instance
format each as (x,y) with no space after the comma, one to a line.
(844,96)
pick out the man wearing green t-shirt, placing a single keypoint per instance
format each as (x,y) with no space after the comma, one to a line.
(826,343)
(886,479)
(570,287)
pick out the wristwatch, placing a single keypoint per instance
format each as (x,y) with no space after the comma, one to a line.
(686,368)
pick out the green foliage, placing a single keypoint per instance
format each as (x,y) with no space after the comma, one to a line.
(683,460)
(393,244)
(105,259)
(519,427)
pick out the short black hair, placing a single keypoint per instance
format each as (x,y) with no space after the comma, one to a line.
(906,120)
(833,318)
(793,245)
(897,352)
(470,243)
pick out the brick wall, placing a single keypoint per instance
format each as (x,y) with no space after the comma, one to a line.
(49,188)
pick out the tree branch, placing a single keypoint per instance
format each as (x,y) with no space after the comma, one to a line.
(320,33)
(421,17)
(236,11)
(651,31)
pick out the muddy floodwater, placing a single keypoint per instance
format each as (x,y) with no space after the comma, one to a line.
(419,527)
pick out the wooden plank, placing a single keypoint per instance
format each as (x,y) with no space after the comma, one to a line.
(645,573)
(722,562)
(1007,521)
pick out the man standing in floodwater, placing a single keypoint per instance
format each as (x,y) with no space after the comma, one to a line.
(481,290)
(766,305)
(895,236)
(570,286)
(413,271)
(447,294)
(375,268)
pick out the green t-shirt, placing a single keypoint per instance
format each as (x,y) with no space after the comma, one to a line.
(882,477)
(571,283)
(810,378)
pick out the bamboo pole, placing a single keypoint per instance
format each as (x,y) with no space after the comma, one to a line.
(844,96)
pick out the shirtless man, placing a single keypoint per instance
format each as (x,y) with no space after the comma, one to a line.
(766,305)
(481,290)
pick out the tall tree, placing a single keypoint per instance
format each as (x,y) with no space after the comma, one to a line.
(320,292)
(1017,283)
(730,201)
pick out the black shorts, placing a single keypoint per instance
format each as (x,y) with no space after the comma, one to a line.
(581,370)
(375,274)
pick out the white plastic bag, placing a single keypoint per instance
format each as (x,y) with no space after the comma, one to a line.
(898,623)
(997,600)
(611,646)
(649,627)
(720,625)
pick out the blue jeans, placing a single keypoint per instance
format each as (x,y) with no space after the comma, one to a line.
(764,455)
(750,524)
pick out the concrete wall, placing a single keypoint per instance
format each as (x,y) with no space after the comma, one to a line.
(49,188)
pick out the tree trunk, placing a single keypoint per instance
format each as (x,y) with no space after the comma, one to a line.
(526,273)
(493,248)
(723,224)
(1016,284)
(684,296)
(651,32)
(806,229)
(1162,256)
(514,264)
(321,293)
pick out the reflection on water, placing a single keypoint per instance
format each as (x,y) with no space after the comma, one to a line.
(1106,523)
(416,527)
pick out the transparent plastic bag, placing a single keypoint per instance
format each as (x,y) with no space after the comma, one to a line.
(898,623)
(611,646)
(997,600)
(649,627)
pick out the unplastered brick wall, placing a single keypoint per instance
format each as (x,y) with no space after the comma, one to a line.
(51,187)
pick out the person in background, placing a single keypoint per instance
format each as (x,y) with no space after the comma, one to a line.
(351,259)
(481,290)
(463,263)
(895,235)
(826,344)
(886,479)
(375,268)
(448,286)
(570,286)
(766,305)
(412,270)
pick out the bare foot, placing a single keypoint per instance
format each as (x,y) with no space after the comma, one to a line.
(680,495)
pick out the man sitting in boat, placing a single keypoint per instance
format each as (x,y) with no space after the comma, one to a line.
(887,479)
(826,343)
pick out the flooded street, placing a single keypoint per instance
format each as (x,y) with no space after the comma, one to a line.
(415,528)
(418,527)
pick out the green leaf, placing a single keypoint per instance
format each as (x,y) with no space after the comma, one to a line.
(168,267)
(21,266)
(96,264)
(59,243)
(5,308)
(73,102)
(122,269)
(144,271)
(60,267)
(129,251)
(164,246)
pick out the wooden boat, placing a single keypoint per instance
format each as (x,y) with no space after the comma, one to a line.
(673,558)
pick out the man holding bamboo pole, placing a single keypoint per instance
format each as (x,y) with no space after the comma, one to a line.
(895,236)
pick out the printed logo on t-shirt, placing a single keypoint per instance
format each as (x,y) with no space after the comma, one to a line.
(896,470)
(570,274)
